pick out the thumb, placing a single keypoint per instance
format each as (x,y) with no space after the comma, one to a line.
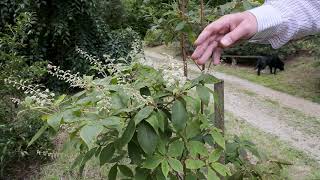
(240,32)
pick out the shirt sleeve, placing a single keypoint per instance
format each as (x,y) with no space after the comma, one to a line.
(280,21)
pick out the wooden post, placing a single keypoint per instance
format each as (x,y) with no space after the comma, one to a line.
(183,8)
(219,110)
(219,105)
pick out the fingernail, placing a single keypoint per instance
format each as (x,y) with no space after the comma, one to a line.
(226,41)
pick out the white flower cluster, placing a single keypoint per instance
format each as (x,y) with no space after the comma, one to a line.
(52,155)
(135,95)
(34,92)
(94,61)
(105,102)
(173,74)
(73,79)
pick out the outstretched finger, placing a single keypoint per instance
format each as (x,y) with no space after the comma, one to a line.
(202,48)
(206,55)
(217,56)
(235,35)
(212,29)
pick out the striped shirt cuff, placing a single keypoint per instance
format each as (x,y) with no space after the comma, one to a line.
(269,19)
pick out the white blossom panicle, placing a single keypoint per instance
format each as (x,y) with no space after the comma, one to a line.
(73,79)
(105,102)
(173,74)
(35,94)
(94,61)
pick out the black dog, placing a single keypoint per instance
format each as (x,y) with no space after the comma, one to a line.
(271,61)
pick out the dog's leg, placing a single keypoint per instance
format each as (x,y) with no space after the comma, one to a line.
(259,70)
(270,69)
(275,71)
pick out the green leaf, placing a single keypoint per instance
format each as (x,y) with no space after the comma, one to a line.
(125,170)
(180,26)
(196,147)
(113,172)
(134,153)
(55,120)
(218,138)
(204,94)
(165,168)
(147,138)
(110,122)
(193,129)
(127,135)
(161,120)
(59,100)
(176,148)
(106,154)
(194,164)
(88,156)
(153,162)
(212,175)
(153,121)
(215,155)
(179,115)
(175,165)
(143,114)
(141,174)
(38,134)
(77,161)
(221,169)
(89,133)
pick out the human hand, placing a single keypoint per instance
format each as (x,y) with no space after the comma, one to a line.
(223,33)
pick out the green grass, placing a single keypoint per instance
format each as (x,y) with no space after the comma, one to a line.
(303,166)
(300,78)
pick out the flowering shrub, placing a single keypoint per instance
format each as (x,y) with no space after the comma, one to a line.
(141,121)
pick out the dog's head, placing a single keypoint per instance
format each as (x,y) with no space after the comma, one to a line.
(280,64)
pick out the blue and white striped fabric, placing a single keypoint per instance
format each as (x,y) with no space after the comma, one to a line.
(280,21)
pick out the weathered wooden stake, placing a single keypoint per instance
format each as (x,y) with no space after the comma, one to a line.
(219,109)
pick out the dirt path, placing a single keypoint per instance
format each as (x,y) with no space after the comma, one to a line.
(292,119)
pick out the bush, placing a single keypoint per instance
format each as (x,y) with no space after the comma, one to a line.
(15,134)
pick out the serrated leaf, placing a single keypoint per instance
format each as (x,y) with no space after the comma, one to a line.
(204,94)
(175,165)
(38,134)
(196,147)
(212,175)
(165,168)
(194,164)
(215,155)
(143,114)
(221,169)
(153,162)
(89,134)
(127,135)
(55,120)
(113,173)
(218,138)
(176,148)
(106,154)
(147,138)
(179,115)
(125,170)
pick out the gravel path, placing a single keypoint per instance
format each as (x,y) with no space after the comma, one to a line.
(254,107)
